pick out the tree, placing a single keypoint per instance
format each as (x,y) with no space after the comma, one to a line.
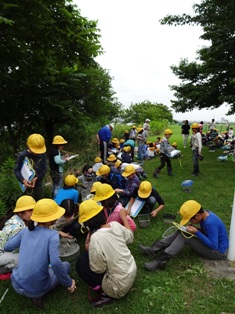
(137,113)
(48,73)
(210,81)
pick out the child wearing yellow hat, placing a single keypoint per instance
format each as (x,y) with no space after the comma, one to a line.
(210,240)
(39,248)
(97,164)
(108,266)
(36,157)
(164,150)
(12,224)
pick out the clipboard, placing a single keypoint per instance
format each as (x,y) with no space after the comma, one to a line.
(183,229)
(136,207)
(27,172)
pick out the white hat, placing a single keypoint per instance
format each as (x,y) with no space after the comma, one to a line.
(112,125)
(147,120)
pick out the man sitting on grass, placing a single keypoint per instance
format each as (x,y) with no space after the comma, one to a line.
(209,241)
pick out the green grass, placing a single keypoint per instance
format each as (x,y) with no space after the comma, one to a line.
(185,286)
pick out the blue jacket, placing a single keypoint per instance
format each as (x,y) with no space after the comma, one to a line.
(105,134)
(215,235)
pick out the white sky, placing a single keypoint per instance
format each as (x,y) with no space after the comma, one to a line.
(139,51)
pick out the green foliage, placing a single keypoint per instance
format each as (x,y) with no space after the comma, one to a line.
(157,127)
(48,75)
(137,113)
(3,208)
(208,82)
(9,187)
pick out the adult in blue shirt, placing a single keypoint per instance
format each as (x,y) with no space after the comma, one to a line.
(209,241)
(103,137)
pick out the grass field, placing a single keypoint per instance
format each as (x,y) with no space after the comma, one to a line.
(185,286)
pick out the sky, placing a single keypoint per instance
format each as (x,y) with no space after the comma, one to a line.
(138,51)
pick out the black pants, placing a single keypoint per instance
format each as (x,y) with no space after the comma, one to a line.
(164,160)
(103,150)
(86,274)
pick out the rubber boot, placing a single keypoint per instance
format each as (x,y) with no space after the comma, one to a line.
(158,263)
(153,249)
(38,302)
(156,172)
(169,171)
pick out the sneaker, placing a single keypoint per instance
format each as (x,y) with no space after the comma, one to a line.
(104,299)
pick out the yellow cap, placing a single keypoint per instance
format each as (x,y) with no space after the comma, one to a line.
(118,163)
(145,189)
(23,203)
(115,140)
(88,209)
(103,192)
(70,180)
(36,143)
(188,210)
(94,186)
(103,170)
(121,140)
(168,132)
(46,210)
(59,140)
(97,159)
(127,149)
(128,171)
(112,157)
(195,126)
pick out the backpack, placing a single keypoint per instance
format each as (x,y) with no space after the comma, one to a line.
(121,180)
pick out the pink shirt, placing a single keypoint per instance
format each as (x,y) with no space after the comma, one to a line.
(116,217)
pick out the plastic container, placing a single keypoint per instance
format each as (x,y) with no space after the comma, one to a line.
(187,186)
(84,194)
(144,220)
(69,250)
(169,231)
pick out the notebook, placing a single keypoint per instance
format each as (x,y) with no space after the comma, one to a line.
(27,172)
(182,228)
(136,207)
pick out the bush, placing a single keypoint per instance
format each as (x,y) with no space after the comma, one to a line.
(9,187)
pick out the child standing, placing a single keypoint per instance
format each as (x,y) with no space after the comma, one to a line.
(37,159)
(164,146)
(196,146)
(56,162)
(141,139)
